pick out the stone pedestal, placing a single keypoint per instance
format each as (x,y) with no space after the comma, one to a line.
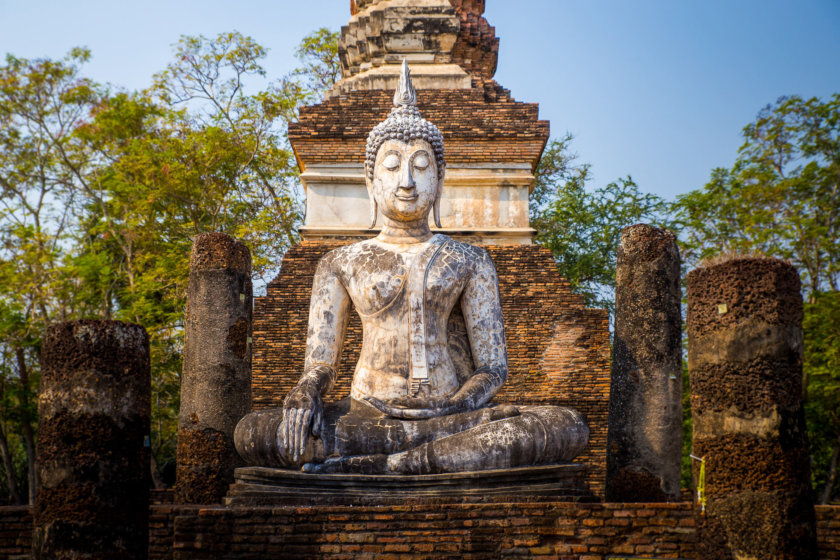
(261,486)
(216,381)
(93,454)
(745,365)
(644,444)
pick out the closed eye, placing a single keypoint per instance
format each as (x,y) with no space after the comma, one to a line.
(421,161)
(391,162)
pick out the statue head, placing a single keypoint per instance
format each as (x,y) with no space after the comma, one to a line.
(404,160)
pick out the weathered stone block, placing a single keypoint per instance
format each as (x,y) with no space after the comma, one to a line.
(745,352)
(93,430)
(216,381)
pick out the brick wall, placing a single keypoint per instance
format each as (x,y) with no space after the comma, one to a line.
(828,532)
(15,531)
(549,530)
(558,350)
(561,530)
(480,124)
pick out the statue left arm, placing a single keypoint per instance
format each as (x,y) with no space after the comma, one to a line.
(482,311)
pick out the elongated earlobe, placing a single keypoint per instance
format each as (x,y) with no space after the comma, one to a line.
(373,212)
(374,208)
(436,206)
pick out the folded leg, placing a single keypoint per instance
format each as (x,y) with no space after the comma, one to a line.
(538,435)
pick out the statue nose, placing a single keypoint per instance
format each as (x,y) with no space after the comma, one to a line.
(406,178)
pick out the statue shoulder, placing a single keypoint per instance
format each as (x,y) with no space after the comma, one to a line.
(476,257)
(337,260)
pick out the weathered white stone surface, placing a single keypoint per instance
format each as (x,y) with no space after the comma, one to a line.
(487,203)
(421,31)
(386,75)
(382,34)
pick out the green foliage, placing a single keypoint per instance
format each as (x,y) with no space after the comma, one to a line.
(822,409)
(321,67)
(42,102)
(780,199)
(582,227)
(103,192)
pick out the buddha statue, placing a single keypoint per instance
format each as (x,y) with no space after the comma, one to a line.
(433,353)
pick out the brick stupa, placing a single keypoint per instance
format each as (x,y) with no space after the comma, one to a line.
(493,143)
(558,350)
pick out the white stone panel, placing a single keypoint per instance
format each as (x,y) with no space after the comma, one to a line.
(489,202)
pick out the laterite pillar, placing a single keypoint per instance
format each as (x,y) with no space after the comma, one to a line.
(93,454)
(216,380)
(644,442)
(745,365)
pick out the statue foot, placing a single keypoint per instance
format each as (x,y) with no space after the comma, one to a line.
(362,464)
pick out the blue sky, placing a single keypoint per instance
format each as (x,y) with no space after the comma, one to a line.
(654,89)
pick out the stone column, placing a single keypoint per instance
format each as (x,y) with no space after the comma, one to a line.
(216,380)
(745,366)
(93,454)
(644,442)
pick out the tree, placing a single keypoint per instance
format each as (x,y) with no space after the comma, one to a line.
(780,199)
(321,67)
(102,193)
(582,227)
(822,362)
(41,104)
(196,152)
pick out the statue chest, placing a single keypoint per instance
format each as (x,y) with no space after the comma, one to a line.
(383,285)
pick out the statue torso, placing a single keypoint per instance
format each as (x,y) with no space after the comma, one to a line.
(378,279)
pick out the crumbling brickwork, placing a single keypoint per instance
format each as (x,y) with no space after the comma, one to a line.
(483,124)
(590,527)
(745,364)
(452,531)
(477,47)
(558,351)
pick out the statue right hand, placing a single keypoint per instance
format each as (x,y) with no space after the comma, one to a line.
(303,413)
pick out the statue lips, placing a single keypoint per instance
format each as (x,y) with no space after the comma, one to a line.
(407,198)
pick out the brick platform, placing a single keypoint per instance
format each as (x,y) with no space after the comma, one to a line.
(558,530)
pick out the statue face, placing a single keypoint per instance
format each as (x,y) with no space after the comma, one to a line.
(405,179)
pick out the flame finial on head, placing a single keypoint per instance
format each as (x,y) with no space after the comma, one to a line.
(405,95)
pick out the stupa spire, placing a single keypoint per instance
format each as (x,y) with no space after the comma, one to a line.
(447,42)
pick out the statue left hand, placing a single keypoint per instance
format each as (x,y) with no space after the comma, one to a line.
(410,408)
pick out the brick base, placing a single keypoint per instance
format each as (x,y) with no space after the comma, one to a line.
(551,530)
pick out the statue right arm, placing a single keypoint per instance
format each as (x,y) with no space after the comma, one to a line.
(329,311)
